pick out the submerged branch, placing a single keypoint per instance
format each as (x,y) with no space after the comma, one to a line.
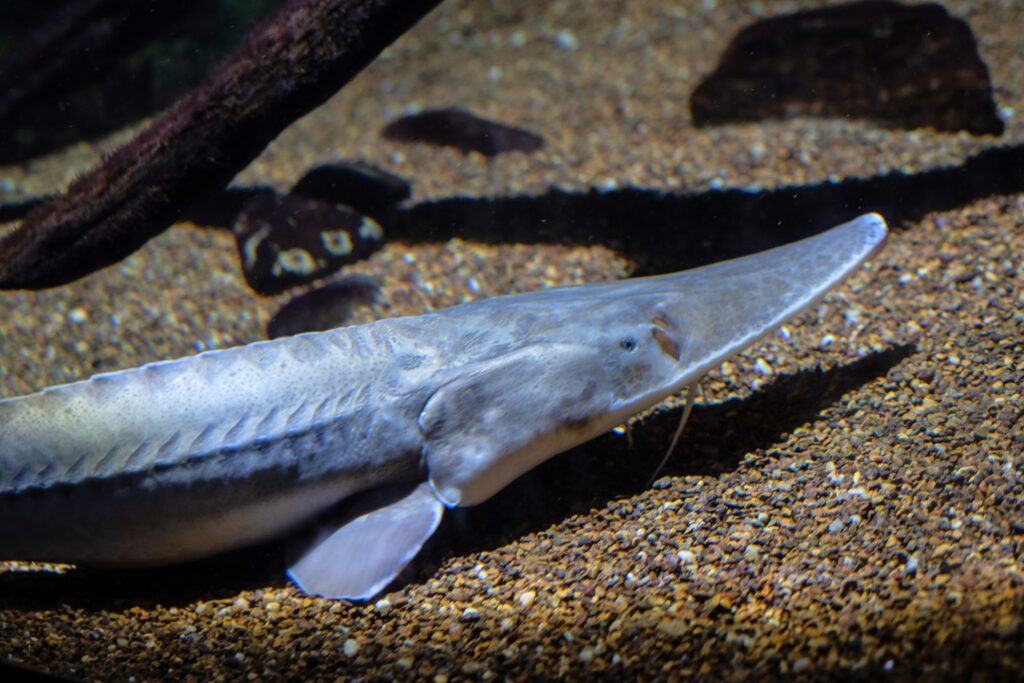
(288,64)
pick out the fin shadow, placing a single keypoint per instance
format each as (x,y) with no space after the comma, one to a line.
(714,442)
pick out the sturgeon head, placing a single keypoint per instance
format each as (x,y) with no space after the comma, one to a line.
(545,371)
(514,380)
(594,355)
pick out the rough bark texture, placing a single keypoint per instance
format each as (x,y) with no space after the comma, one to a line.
(289,63)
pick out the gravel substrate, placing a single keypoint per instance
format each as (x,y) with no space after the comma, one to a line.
(847,500)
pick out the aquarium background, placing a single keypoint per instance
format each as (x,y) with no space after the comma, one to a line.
(846,500)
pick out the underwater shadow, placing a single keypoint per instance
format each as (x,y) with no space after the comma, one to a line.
(216,578)
(668,231)
(11,671)
(590,476)
(664,231)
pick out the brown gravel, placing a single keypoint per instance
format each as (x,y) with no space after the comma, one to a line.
(846,502)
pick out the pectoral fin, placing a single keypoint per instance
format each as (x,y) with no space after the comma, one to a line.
(504,416)
(358,555)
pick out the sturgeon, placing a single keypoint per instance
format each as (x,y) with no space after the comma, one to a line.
(187,458)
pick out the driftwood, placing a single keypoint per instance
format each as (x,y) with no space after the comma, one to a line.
(288,64)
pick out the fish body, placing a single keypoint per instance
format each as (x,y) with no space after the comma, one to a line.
(180,459)
(186,458)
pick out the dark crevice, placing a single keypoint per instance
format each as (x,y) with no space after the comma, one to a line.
(12,211)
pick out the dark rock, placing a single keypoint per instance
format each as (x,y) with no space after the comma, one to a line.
(904,66)
(288,240)
(359,185)
(324,307)
(465,131)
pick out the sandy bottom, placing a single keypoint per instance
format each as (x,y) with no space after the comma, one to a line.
(847,500)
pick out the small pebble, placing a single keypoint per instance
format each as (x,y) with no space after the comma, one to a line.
(78,316)
(762,368)
(567,40)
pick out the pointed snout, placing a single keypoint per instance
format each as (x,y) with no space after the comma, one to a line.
(726,306)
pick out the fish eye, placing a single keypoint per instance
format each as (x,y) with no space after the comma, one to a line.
(627,344)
